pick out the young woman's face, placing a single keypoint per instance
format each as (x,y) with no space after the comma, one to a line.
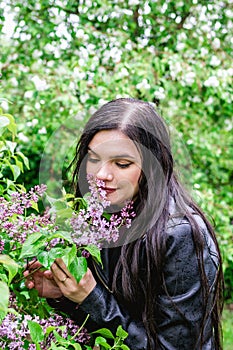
(115,159)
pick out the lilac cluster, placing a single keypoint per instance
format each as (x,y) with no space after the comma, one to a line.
(125,217)
(13,221)
(1,246)
(90,225)
(14,330)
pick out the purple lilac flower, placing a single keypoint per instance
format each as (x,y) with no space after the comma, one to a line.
(1,246)
(13,221)
(14,330)
(90,227)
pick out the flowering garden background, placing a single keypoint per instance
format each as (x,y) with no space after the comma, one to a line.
(61,60)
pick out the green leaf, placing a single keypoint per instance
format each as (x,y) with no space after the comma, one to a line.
(94,251)
(103,342)
(106,215)
(63,235)
(46,258)
(32,245)
(34,205)
(62,215)
(124,347)
(78,267)
(4,121)
(15,171)
(10,265)
(49,329)
(4,300)
(82,203)
(121,333)
(58,205)
(105,333)
(55,347)
(36,331)
(12,125)
(11,146)
(76,346)
(25,159)
(61,340)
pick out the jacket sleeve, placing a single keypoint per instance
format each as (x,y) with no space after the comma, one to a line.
(180,308)
(105,312)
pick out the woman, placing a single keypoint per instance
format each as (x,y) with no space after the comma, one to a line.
(163,280)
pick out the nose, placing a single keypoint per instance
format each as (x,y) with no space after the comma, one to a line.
(105,173)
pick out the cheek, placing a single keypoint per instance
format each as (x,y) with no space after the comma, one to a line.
(131,181)
(135,177)
(91,168)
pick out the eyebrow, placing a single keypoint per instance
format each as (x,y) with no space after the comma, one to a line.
(118,156)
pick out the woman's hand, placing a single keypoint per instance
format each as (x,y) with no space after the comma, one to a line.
(41,280)
(68,285)
(58,282)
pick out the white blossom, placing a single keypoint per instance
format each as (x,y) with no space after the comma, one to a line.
(196,99)
(212,81)
(160,93)
(175,68)
(216,43)
(210,101)
(28,94)
(204,52)
(123,72)
(37,53)
(133,2)
(37,105)
(42,131)
(78,74)
(22,137)
(143,85)
(5,105)
(229,124)
(14,81)
(32,123)
(180,46)
(84,97)
(40,84)
(215,61)
(147,8)
(230,72)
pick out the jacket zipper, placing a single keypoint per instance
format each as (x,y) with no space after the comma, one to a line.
(101,279)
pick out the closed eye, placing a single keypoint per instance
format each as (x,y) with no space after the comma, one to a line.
(123,165)
(93,160)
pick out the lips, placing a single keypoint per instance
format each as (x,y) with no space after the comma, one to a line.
(109,190)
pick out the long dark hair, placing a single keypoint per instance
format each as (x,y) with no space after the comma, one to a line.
(158,184)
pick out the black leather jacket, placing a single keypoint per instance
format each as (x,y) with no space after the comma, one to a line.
(178,316)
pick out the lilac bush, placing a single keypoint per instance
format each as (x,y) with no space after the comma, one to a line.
(27,234)
(15,332)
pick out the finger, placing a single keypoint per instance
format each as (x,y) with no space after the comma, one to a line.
(26,273)
(29,284)
(62,266)
(34,265)
(48,274)
(59,275)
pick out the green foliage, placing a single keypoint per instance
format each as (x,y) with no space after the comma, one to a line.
(12,161)
(4,300)
(65,59)
(227,329)
(118,340)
